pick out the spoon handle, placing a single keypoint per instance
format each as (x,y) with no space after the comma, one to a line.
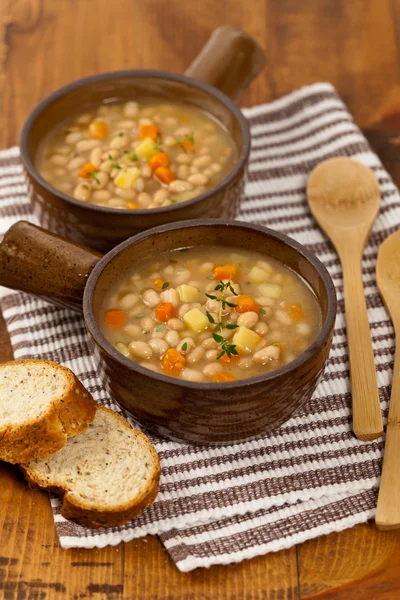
(388,510)
(367,418)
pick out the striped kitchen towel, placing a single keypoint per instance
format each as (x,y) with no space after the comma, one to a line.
(311,476)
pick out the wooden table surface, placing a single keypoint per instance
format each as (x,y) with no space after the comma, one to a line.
(45,44)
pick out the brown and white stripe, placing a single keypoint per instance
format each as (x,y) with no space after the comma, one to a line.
(310,477)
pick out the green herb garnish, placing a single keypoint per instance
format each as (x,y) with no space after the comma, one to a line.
(160,327)
(175,200)
(226,348)
(120,134)
(184,347)
(157,144)
(276,344)
(131,155)
(210,277)
(262,311)
(165,285)
(113,164)
(93,175)
(139,315)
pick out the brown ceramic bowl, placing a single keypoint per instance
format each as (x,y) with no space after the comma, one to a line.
(38,262)
(229,61)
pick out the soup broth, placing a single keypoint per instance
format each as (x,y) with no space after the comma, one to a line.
(137,155)
(211,315)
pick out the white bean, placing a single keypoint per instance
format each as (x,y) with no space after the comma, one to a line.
(184,159)
(146,324)
(99,180)
(127,124)
(125,194)
(86,145)
(170,295)
(146,121)
(212,354)
(140,349)
(82,192)
(139,185)
(146,171)
(158,346)
(202,161)
(120,141)
(248,319)
(169,141)
(160,196)
(178,186)
(209,343)
(84,119)
(264,301)
(133,330)
(195,355)
(198,179)
(261,328)
(129,301)
(303,329)
(58,159)
(130,109)
(245,363)
(182,276)
(76,163)
(144,199)
(183,172)
(175,324)
(266,354)
(206,267)
(173,338)
(212,369)
(73,137)
(282,317)
(192,375)
(116,203)
(216,168)
(151,298)
(190,344)
(95,157)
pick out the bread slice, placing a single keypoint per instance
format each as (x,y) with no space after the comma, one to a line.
(106,476)
(41,405)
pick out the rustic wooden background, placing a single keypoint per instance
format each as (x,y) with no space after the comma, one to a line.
(44,44)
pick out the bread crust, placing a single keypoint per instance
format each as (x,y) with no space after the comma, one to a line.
(67,415)
(97,516)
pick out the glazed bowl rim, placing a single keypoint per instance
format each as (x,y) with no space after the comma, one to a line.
(135,367)
(136,73)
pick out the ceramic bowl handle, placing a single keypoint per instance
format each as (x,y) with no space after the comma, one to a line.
(229,61)
(35,261)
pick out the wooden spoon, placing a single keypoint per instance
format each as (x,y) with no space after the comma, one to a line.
(388,277)
(344,198)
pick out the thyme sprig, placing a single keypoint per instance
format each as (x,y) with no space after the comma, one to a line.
(93,175)
(226,347)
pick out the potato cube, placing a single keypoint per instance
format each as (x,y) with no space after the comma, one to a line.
(146,148)
(188,293)
(270,290)
(245,340)
(196,320)
(258,275)
(126,178)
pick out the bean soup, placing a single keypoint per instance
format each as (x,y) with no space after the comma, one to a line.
(137,155)
(211,315)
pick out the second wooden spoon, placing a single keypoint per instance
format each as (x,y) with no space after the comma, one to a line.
(344,197)
(388,278)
